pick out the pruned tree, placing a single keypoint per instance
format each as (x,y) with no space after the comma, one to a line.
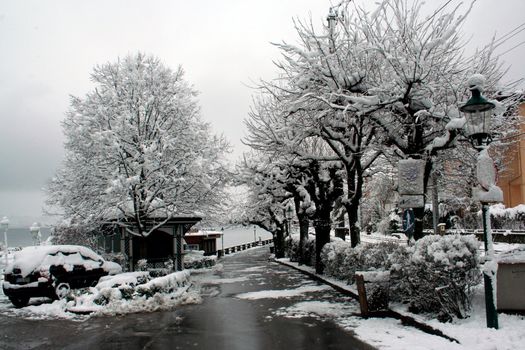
(137,152)
(392,75)
(266,198)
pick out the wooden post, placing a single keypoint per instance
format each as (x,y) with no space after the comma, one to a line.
(361,290)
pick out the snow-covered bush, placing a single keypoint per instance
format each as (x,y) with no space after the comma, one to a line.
(118,258)
(196,259)
(507,218)
(342,261)
(131,292)
(142,265)
(437,275)
(291,249)
(389,224)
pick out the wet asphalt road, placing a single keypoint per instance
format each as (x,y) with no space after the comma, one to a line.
(221,321)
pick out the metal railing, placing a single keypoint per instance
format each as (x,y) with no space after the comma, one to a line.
(243,246)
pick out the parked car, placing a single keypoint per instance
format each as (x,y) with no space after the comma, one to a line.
(52,271)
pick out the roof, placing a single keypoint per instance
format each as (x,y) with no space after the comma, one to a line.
(205,233)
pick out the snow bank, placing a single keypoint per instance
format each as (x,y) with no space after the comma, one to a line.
(124,293)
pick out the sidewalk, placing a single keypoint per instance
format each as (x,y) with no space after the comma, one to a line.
(470,333)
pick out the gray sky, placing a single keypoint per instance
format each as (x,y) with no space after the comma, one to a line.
(48,50)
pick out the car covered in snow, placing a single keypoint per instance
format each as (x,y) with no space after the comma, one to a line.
(52,271)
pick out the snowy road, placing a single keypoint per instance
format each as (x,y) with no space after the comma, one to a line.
(251,304)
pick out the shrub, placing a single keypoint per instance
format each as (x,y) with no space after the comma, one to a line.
(342,261)
(438,275)
(291,249)
(196,259)
(434,276)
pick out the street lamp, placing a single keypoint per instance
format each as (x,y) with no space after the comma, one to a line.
(5,225)
(222,240)
(254,234)
(289,213)
(35,233)
(478,112)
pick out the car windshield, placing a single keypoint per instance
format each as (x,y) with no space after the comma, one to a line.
(41,257)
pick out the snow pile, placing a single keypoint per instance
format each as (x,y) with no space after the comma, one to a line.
(133,292)
(130,292)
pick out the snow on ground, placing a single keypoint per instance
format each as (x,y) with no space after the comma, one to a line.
(226,280)
(114,295)
(473,333)
(282,293)
(388,333)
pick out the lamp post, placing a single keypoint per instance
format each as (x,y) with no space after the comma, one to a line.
(254,233)
(478,112)
(289,213)
(5,225)
(35,233)
(222,240)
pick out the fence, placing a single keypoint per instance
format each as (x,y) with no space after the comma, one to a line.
(242,247)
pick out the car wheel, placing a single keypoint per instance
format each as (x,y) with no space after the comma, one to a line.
(19,301)
(62,289)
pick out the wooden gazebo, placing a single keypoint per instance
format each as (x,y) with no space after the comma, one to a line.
(161,247)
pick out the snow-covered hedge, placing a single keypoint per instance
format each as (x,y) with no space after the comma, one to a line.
(196,259)
(291,249)
(435,275)
(342,261)
(507,218)
(131,292)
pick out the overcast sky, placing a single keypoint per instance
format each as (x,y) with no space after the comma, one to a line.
(49,48)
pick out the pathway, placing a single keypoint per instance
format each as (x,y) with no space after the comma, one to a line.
(250,305)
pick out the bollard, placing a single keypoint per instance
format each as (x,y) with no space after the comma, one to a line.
(361,291)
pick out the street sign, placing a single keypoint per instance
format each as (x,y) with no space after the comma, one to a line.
(411,176)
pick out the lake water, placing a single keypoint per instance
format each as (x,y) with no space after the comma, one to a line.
(21,237)
(242,234)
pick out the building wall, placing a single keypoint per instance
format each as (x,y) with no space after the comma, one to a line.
(512,182)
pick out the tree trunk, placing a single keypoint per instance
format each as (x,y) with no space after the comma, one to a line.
(353,217)
(322,236)
(278,242)
(354,183)
(304,223)
(419,213)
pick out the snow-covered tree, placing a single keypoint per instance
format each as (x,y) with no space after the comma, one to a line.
(267,197)
(137,152)
(393,75)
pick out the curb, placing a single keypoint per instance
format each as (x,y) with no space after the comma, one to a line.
(405,319)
